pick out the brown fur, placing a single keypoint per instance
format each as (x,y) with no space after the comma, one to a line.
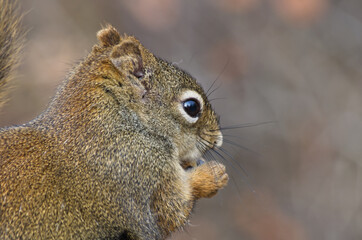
(104,160)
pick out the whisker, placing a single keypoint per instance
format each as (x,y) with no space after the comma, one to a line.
(242,147)
(242,178)
(233,136)
(233,159)
(222,157)
(213,99)
(232,143)
(214,90)
(211,85)
(207,155)
(217,78)
(203,143)
(244,125)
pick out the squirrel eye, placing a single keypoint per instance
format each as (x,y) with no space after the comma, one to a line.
(192,107)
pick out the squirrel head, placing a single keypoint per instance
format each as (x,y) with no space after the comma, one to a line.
(161,99)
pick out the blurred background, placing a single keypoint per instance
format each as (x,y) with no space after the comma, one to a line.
(296,63)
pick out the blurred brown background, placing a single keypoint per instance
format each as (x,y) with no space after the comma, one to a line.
(294,62)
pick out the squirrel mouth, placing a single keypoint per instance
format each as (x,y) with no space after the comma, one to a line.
(189,164)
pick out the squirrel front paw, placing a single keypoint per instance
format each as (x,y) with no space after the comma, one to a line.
(207,179)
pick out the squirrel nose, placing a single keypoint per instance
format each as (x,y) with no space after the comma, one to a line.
(218,141)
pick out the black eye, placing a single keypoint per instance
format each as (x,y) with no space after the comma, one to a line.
(192,107)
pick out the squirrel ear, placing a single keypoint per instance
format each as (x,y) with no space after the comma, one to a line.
(108,36)
(127,57)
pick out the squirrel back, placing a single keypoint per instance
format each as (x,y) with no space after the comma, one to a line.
(115,155)
(11,43)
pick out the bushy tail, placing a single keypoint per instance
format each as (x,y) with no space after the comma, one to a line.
(11,42)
